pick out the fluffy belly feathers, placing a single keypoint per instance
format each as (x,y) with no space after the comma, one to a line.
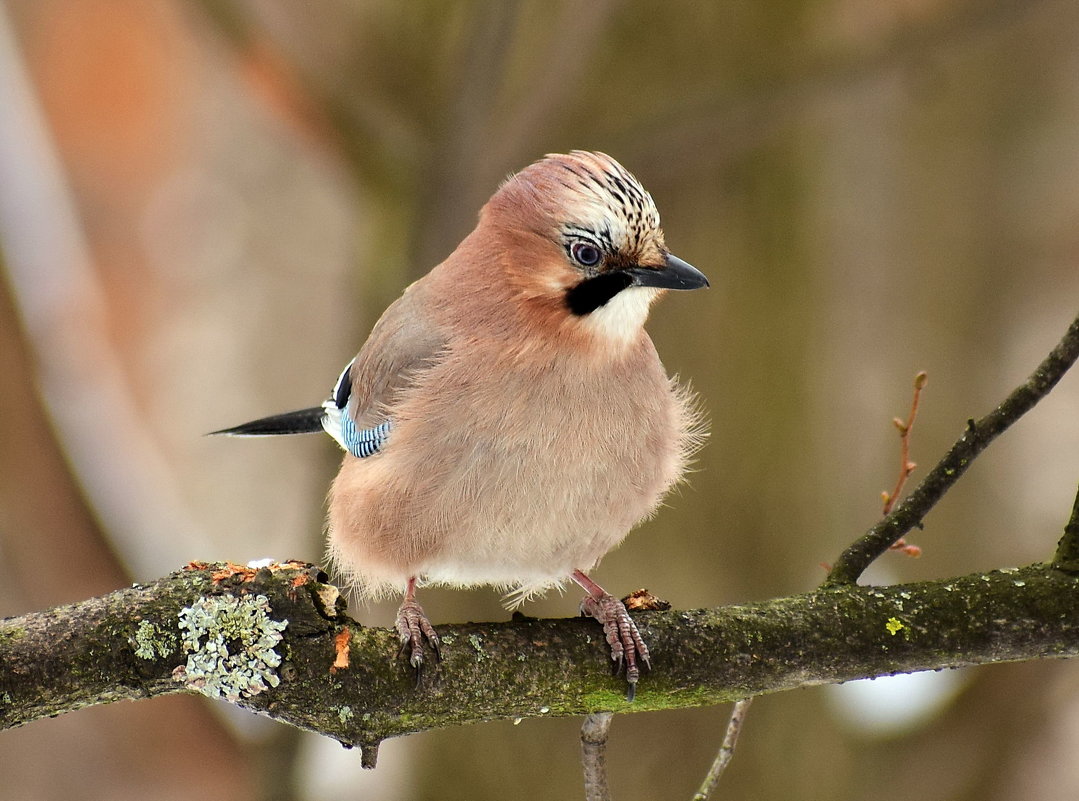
(509,494)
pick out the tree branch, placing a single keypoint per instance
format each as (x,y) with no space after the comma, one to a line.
(128,645)
(977,436)
(594,733)
(1067,554)
(726,751)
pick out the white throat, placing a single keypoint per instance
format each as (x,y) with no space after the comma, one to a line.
(621,319)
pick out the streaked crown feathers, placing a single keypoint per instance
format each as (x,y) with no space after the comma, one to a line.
(584,195)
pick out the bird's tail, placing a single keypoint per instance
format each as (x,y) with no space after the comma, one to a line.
(303,421)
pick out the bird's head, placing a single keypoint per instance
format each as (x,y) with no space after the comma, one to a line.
(583,242)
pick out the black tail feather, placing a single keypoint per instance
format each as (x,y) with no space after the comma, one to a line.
(303,421)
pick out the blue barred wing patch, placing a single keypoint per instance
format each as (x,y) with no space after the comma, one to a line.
(363,442)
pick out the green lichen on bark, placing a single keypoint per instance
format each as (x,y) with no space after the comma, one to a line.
(152,641)
(229,642)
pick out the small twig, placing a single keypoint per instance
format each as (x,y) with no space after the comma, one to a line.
(726,751)
(902,545)
(594,755)
(908,514)
(906,466)
(1067,555)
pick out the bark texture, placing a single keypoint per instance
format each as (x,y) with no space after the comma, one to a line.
(343,680)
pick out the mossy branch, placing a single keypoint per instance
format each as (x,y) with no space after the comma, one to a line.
(1067,555)
(351,687)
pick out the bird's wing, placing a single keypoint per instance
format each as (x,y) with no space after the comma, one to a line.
(404,341)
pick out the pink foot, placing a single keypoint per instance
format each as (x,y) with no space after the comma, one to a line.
(627,648)
(413,628)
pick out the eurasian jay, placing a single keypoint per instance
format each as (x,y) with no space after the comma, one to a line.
(508,421)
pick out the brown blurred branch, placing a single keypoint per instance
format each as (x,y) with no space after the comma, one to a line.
(727,123)
(977,436)
(126,646)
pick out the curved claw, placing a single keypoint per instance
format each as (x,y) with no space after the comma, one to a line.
(413,629)
(628,649)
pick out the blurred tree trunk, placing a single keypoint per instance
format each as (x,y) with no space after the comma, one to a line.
(118,751)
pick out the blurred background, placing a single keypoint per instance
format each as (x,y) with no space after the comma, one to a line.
(205,205)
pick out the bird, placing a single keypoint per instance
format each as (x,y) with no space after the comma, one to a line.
(508,421)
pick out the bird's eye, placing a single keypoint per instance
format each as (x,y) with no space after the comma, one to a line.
(585,254)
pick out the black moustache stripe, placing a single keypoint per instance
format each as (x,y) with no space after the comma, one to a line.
(592,293)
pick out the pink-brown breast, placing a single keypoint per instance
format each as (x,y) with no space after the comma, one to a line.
(510,467)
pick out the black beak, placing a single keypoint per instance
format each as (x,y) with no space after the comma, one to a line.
(676,274)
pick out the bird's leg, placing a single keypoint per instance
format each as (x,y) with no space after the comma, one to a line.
(627,647)
(413,627)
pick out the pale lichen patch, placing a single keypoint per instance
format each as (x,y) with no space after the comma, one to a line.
(230,645)
(152,641)
(477,645)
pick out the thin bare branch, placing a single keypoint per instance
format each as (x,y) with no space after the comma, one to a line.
(726,751)
(906,466)
(977,436)
(594,732)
